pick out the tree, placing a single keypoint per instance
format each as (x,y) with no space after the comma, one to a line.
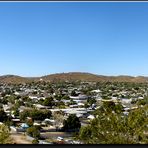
(65,97)
(73,93)
(143,102)
(29,122)
(47,114)
(58,118)
(48,102)
(60,104)
(33,132)
(23,115)
(3,116)
(110,106)
(91,101)
(16,112)
(25,98)
(4,100)
(111,128)
(72,123)
(35,114)
(72,102)
(11,99)
(5,135)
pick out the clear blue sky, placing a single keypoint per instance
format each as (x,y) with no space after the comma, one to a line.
(101,38)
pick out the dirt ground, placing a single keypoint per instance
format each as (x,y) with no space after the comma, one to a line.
(19,139)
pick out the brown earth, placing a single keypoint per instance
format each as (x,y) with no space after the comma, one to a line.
(73,76)
(18,138)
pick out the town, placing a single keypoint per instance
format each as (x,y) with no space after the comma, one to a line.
(73,72)
(54,112)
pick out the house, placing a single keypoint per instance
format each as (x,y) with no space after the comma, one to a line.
(79,97)
(36,124)
(39,106)
(126,101)
(91,117)
(34,98)
(80,104)
(73,106)
(96,91)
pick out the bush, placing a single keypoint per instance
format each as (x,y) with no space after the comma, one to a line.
(33,132)
(35,141)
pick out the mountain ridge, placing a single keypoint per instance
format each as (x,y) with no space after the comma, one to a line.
(73,76)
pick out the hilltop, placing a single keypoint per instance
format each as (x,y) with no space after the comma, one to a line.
(73,76)
(14,79)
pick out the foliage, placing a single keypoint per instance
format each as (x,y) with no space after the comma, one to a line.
(4,100)
(58,118)
(33,132)
(3,116)
(143,101)
(16,112)
(65,97)
(73,93)
(35,114)
(29,122)
(5,135)
(48,102)
(72,123)
(91,101)
(112,128)
(108,107)
(35,141)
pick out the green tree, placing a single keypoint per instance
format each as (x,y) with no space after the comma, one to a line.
(3,116)
(112,128)
(73,93)
(33,132)
(91,101)
(16,112)
(35,114)
(65,97)
(5,135)
(72,123)
(23,115)
(4,100)
(143,101)
(48,102)
(110,106)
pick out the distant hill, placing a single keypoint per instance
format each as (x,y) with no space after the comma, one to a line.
(73,76)
(13,79)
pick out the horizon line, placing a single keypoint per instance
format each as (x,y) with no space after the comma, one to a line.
(107,75)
